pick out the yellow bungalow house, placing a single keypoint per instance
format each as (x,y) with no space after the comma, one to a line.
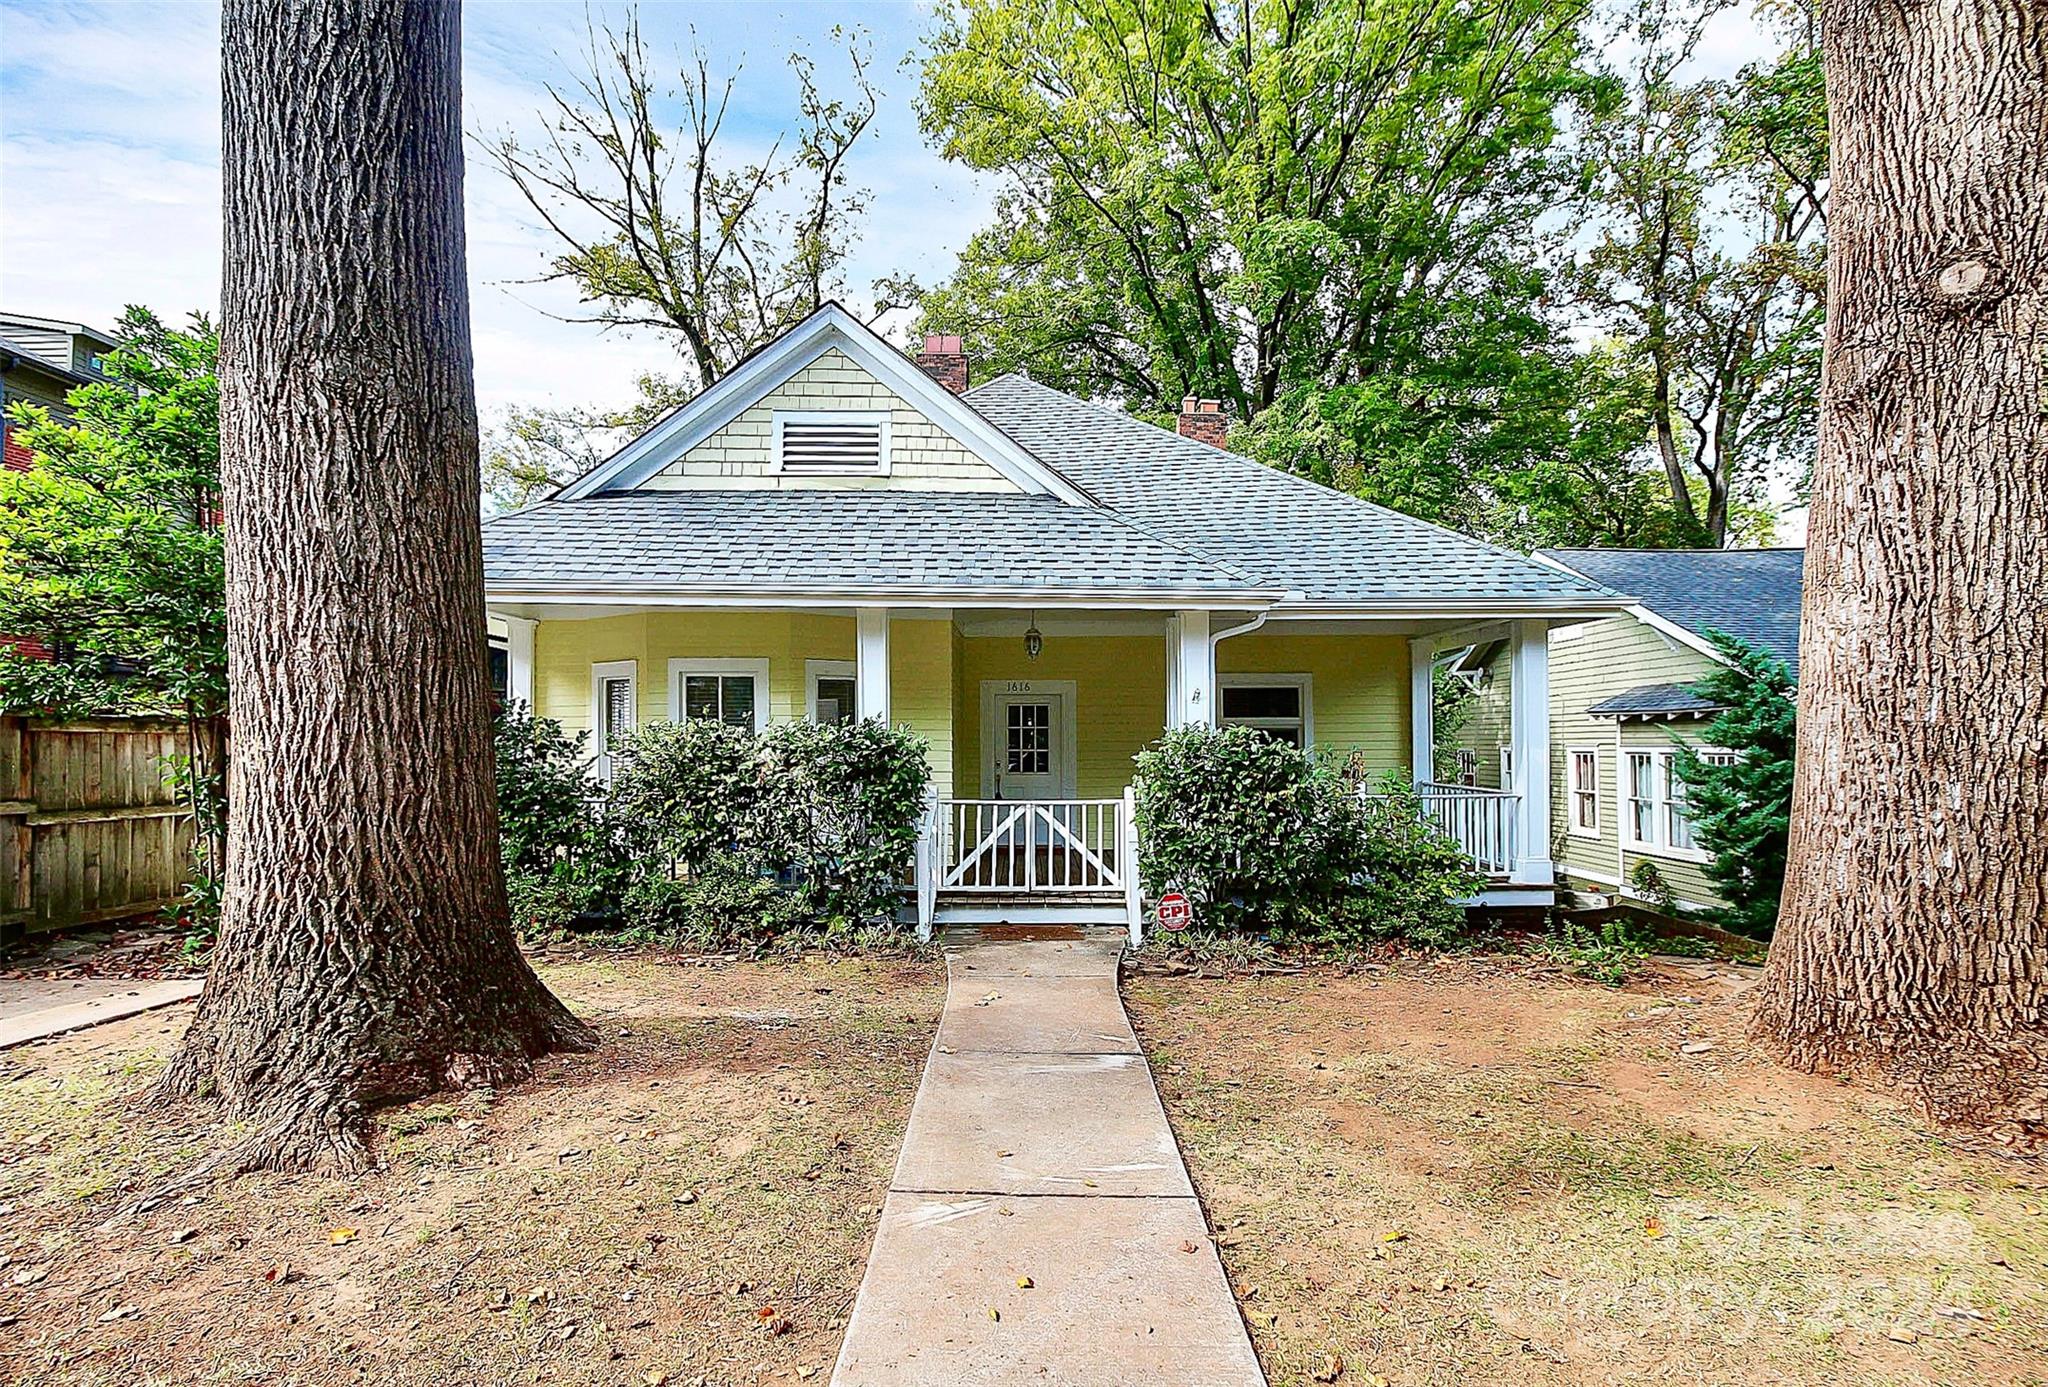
(1036,584)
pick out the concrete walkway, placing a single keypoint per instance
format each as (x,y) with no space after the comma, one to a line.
(1037,1149)
(36,1008)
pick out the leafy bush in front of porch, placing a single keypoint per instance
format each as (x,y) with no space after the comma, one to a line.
(1265,838)
(552,835)
(737,837)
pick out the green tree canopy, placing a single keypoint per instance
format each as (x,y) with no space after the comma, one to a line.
(1327,213)
(1741,809)
(111,555)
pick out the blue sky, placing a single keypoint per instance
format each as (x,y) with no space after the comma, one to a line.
(110,153)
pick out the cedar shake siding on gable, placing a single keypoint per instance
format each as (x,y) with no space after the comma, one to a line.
(742,454)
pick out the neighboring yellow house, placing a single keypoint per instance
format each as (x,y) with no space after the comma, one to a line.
(1036,584)
(1622,698)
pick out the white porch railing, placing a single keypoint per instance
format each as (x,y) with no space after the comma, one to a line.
(1480,821)
(999,846)
(988,848)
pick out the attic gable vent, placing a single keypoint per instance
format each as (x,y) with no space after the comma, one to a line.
(832,443)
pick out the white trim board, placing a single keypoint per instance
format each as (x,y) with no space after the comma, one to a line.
(1067,691)
(745,386)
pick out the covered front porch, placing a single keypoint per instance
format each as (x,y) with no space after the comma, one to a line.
(1033,716)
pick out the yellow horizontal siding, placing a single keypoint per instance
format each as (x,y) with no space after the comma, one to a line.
(1358,687)
(1594,662)
(1359,684)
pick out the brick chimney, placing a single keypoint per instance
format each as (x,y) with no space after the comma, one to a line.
(944,359)
(1204,421)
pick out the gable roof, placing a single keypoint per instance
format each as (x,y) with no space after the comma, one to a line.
(1322,545)
(844,544)
(1654,700)
(747,383)
(1752,594)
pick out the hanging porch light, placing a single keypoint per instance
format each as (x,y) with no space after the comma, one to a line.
(1033,640)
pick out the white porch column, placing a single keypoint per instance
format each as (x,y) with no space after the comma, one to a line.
(1529,720)
(1422,709)
(1190,672)
(871,664)
(519,660)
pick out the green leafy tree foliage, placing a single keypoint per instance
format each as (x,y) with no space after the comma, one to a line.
(1741,812)
(1708,203)
(1329,214)
(111,553)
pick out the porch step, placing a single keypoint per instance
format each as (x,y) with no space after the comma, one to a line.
(1039,907)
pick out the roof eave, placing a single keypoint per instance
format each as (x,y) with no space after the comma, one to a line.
(882,595)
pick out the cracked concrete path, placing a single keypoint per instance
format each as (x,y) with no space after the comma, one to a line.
(1037,1148)
(37,1008)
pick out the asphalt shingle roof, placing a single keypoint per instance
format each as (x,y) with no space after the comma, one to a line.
(1177,515)
(1654,698)
(1282,529)
(870,540)
(1752,594)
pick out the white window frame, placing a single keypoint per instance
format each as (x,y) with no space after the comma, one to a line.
(681,668)
(878,417)
(1573,790)
(602,672)
(814,670)
(1305,683)
(1662,775)
(1507,768)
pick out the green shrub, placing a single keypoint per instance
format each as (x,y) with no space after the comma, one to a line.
(1610,954)
(552,835)
(1413,874)
(1263,837)
(846,801)
(1246,826)
(1742,810)
(1652,889)
(734,837)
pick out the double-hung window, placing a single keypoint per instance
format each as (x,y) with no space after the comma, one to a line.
(1654,811)
(728,691)
(614,701)
(1582,771)
(1276,704)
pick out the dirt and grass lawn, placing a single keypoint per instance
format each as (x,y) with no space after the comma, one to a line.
(1471,1171)
(1439,1171)
(693,1203)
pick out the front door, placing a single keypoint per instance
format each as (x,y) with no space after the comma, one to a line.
(1029,746)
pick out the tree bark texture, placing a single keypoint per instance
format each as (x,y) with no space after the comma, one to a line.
(1913,939)
(365,955)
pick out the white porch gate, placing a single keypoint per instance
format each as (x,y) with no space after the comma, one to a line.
(1045,857)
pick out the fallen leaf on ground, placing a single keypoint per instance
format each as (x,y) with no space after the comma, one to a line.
(120,1312)
(1024,1283)
(1330,1369)
(338,1236)
(1395,1236)
(1902,1336)
(1652,1228)
(183,1235)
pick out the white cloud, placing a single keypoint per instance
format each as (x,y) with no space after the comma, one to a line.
(110,184)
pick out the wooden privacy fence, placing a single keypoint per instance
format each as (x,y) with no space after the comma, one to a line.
(90,828)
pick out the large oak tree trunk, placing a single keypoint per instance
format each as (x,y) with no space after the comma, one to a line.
(1913,942)
(365,952)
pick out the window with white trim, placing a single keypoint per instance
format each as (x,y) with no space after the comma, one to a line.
(1582,787)
(1276,704)
(728,691)
(832,693)
(1654,817)
(1507,768)
(829,443)
(614,707)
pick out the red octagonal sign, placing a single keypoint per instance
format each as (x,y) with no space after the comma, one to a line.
(1174,911)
